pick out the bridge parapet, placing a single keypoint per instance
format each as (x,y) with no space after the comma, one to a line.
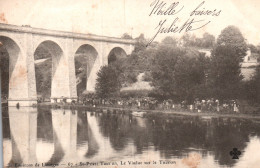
(56,33)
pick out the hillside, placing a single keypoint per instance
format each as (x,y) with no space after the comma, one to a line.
(43,73)
(140,84)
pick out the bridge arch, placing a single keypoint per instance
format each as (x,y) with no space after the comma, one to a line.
(49,58)
(85,58)
(39,39)
(115,54)
(13,71)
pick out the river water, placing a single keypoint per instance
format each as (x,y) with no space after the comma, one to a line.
(68,137)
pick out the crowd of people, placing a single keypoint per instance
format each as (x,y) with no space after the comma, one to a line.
(213,105)
(148,103)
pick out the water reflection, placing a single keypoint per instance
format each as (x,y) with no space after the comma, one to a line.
(64,123)
(23,125)
(57,136)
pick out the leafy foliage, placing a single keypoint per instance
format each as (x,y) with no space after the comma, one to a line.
(108,84)
(178,72)
(163,70)
(226,58)
(251,89)
(43,78)
(207,41)
(4,64)
(190,75)
(232,37)
(126,36)
(253,48)
(169,41)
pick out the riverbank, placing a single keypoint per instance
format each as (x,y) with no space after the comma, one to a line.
(159,112)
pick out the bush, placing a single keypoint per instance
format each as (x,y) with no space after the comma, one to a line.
(147,76)
(134,93)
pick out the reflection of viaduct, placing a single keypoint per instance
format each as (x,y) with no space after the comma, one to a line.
(21,44)
(65,126)
(23,127)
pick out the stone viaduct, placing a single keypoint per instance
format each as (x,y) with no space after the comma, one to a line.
(21,43)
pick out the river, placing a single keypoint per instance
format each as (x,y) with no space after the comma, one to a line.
(62,138)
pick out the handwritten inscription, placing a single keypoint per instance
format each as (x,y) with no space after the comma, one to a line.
(199,11)
(161,8)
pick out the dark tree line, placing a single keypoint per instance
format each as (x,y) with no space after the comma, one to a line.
(179,71)
(207,41)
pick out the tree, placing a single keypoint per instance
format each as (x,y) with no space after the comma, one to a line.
(126,36)
(163,68)
(140,43)
(43,78)
(4,65)
(179,73)
(233,38)
(169,41)
(252,87)
(253,48)
(208,40)
(108,84)
(227,55)
(188,40)
(190,76)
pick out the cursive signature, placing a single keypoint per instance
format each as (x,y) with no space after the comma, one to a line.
(191,24)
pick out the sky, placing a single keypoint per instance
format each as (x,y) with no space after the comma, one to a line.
(116,17)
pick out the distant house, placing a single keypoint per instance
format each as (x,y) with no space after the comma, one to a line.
(248,65)
(250,59)
(207,51)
